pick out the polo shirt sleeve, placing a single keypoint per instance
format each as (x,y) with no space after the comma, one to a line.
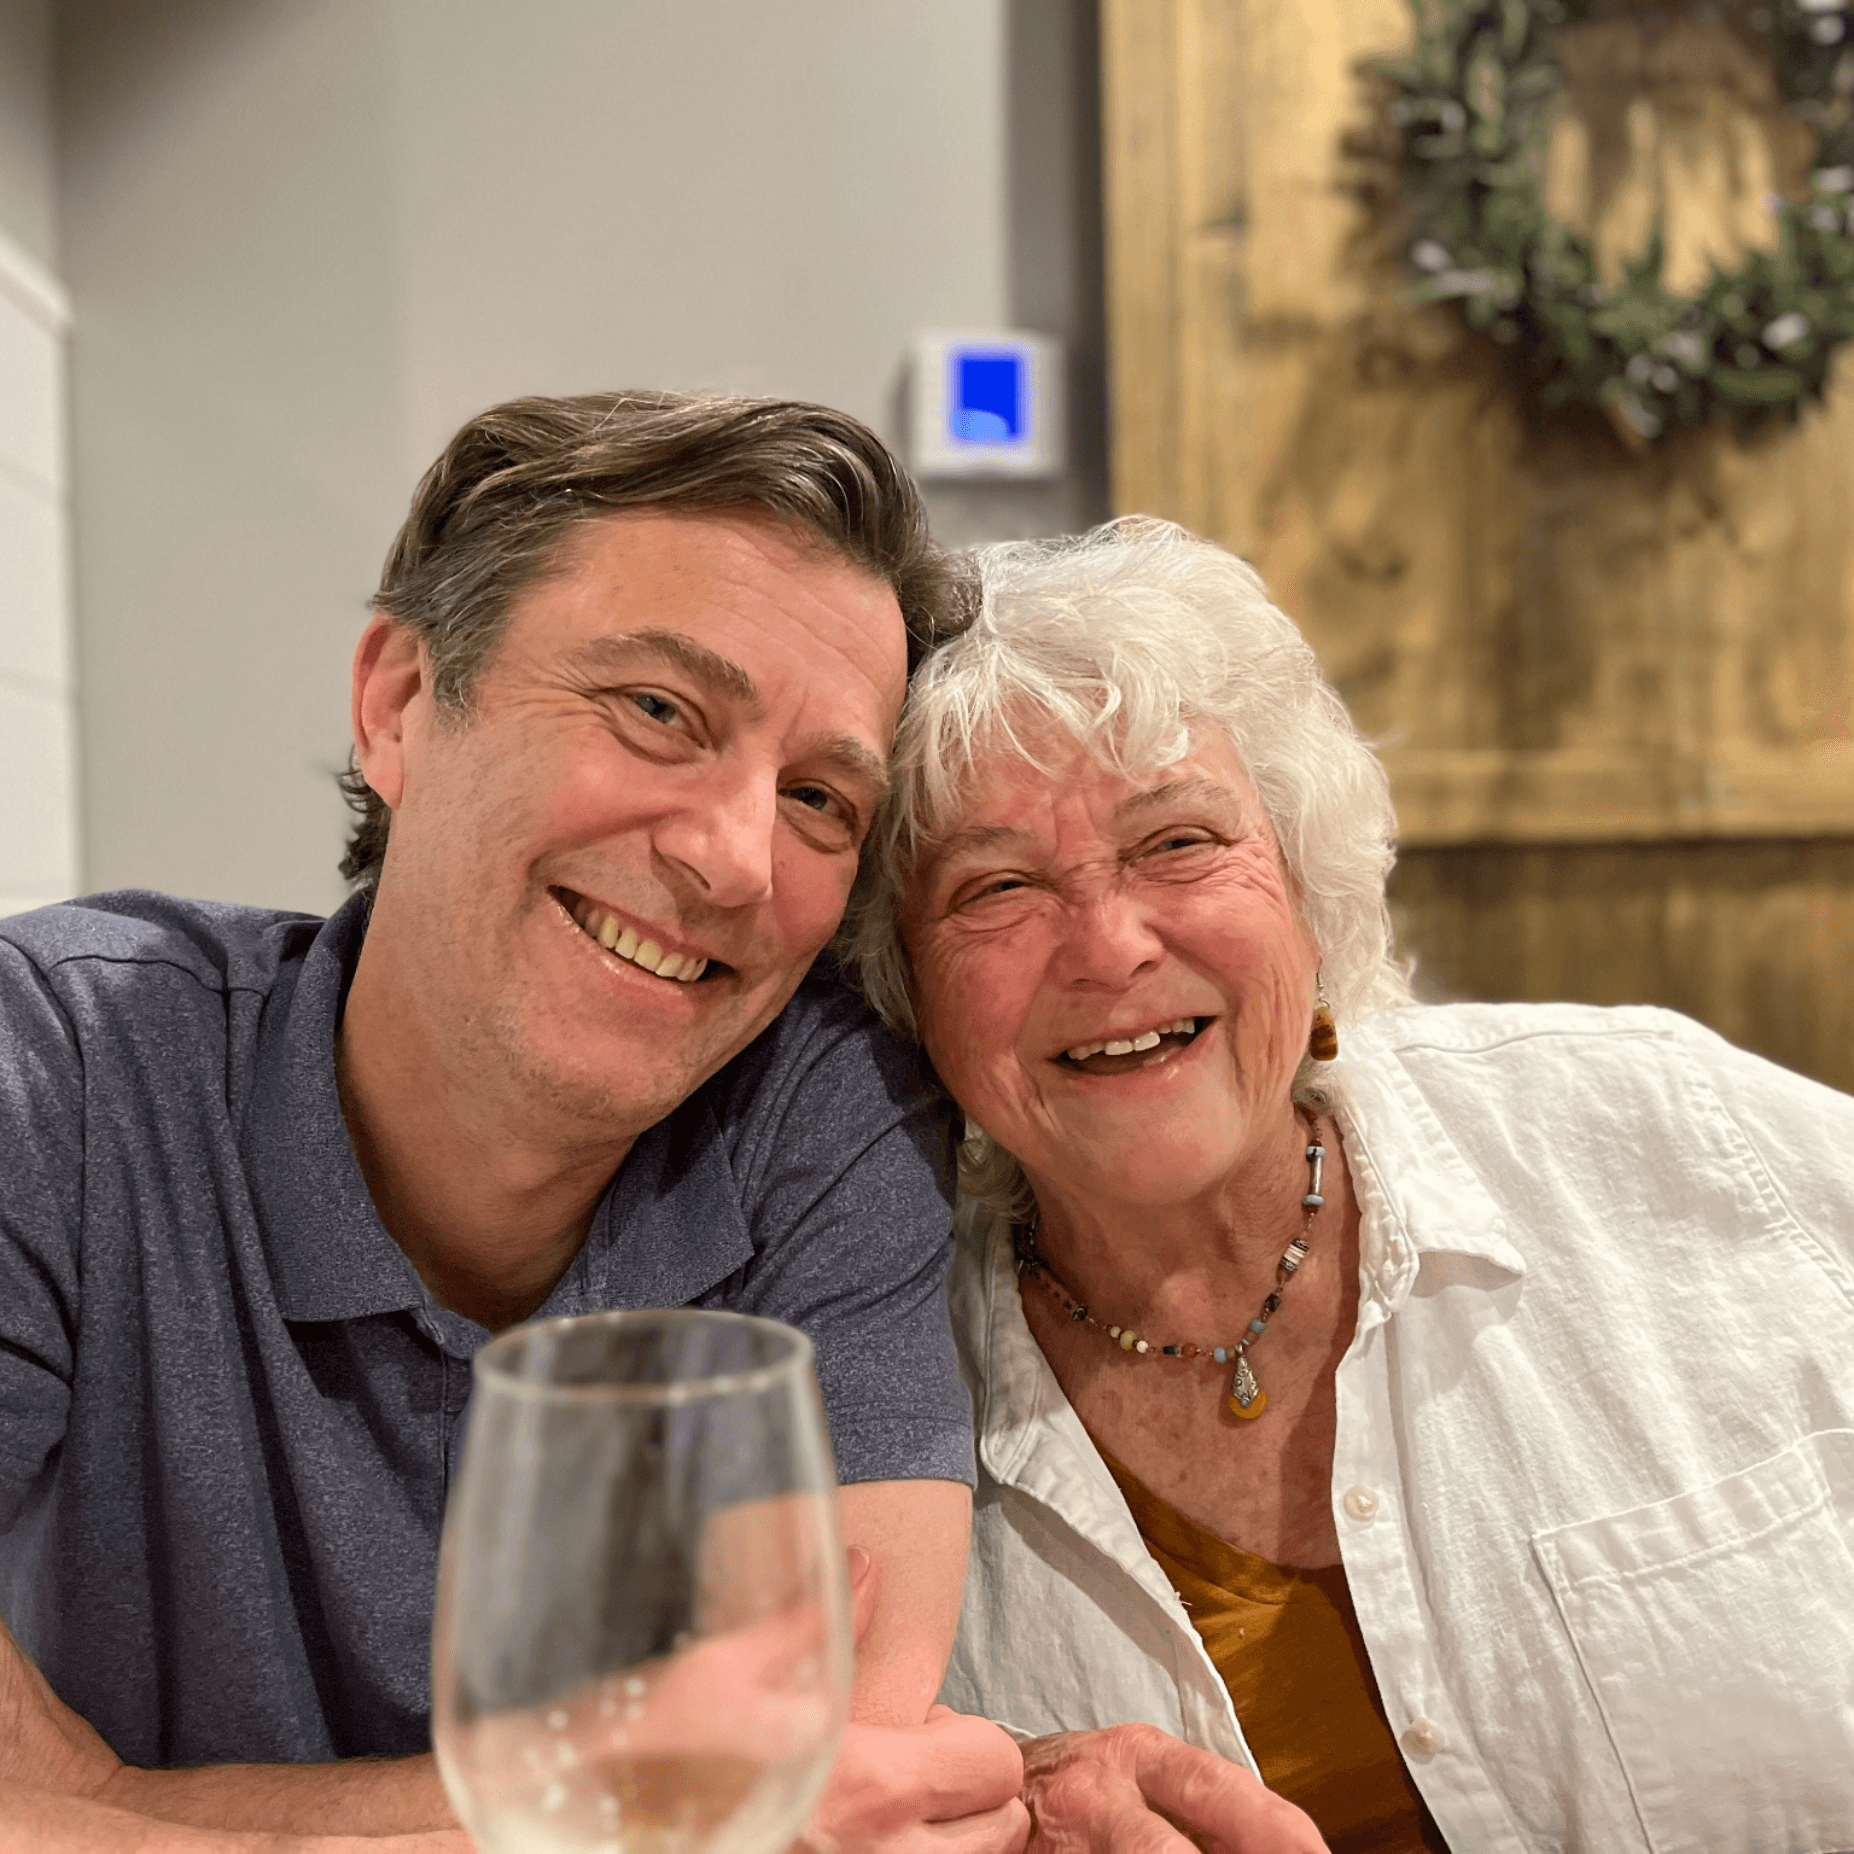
(41,1204)
(847,1190)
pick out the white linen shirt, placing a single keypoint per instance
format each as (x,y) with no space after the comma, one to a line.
(1594,1470)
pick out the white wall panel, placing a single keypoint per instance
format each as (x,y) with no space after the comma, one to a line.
(34,586)
(37,809)
(31,435)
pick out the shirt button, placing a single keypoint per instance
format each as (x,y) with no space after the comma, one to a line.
(1423,1739)
(1361,1504)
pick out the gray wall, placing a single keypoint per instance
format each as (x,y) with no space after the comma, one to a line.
(305,238)
(28,183)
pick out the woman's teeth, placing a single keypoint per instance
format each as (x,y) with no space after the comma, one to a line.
(615,938)
(1147,1039)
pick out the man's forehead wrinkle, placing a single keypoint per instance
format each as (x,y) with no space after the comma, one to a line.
(687,653)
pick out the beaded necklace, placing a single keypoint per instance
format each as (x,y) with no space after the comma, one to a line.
(1246,1397)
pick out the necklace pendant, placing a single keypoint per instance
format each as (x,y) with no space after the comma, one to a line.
(1247,1398)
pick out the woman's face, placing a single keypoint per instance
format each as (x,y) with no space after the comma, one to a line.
(1080,908)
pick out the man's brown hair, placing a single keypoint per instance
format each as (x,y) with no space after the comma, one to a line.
(490,515)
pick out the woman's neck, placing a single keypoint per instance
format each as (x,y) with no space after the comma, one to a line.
(1194,1259)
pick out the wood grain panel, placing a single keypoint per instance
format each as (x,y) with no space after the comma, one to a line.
(1551,635)
(1751,937)
(1615,691)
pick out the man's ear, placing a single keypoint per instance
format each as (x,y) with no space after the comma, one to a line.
(389,679)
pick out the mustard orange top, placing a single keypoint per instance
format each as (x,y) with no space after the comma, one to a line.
(1287,1645)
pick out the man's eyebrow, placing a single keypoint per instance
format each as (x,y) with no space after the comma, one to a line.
(856,758)
(723,676)
(717,674)
(1181,791)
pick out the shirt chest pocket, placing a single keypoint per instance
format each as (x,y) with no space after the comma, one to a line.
(1716,1630)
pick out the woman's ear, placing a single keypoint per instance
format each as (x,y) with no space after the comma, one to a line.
(389,679)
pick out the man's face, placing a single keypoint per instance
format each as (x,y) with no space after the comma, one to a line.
(671,760)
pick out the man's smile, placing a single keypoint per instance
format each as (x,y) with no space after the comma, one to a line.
(641,946)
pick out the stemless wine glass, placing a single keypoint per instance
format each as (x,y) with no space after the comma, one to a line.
(642,1637)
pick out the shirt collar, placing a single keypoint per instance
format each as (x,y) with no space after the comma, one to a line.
(1029,1436)
(330,1256)
(668,1228)
(1418,1197)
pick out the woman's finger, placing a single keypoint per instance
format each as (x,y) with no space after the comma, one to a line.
(1224,1807)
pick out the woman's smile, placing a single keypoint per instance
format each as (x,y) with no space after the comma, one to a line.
(1126,1053)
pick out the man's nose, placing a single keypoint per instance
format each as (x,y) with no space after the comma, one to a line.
(723,838)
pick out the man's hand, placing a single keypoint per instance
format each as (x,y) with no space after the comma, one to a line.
(1137,1790)
(42,1741)
(34,1821)
(947,1787)
(64,1791)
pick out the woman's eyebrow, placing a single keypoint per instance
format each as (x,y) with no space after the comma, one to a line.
(976,837)
(1181,791)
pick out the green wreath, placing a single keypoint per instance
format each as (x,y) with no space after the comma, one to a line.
(1469,114)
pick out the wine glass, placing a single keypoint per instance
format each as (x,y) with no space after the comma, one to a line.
(642,1638)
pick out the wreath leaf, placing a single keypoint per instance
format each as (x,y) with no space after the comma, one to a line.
(1469,110)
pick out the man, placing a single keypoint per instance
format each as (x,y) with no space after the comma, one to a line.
(621,718)
(620,724)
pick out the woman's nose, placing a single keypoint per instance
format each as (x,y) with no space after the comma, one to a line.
(1108,939)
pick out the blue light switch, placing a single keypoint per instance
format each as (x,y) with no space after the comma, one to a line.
(987,405)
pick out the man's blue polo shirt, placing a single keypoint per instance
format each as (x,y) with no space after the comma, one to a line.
(229,1409)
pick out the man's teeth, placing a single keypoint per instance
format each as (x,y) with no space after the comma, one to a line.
(646,953)
(1147,1039)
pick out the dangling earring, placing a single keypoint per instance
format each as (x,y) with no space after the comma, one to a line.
(1323,1040)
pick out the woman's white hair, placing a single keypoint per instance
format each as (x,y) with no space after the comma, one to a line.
(1130,639)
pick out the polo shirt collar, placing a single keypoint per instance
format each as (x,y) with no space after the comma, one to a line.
(668,1229)
(330,1256)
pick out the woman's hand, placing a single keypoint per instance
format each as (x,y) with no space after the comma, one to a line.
(1134,1789)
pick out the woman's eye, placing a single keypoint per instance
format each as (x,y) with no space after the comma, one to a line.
(1176,840)
(987,888)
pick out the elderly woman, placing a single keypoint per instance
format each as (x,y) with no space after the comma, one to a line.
(1445,1412)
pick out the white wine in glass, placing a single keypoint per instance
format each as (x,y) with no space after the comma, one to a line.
(642,1643)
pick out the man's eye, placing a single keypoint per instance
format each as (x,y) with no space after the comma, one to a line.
(657,707)
(813,797)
